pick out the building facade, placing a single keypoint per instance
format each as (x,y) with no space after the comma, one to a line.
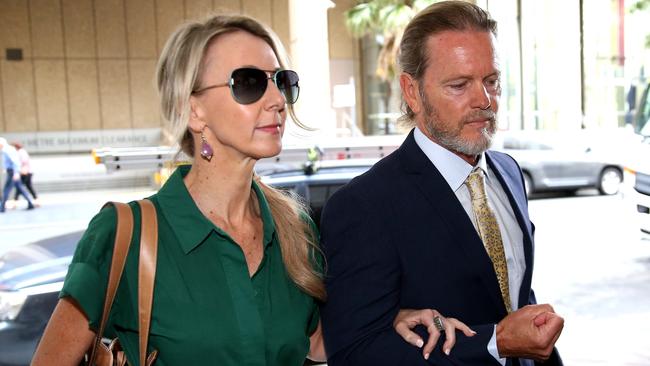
(78,74)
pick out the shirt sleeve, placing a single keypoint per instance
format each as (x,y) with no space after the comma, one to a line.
(493,350)
(87,277)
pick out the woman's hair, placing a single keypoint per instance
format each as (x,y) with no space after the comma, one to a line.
(17,145)
(178,74)
(436,18)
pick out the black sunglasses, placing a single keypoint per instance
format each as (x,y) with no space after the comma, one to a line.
(247,85)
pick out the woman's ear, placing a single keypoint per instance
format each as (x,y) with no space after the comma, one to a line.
(196,123)
(410,91)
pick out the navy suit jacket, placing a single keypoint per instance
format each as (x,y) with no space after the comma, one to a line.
(397,237)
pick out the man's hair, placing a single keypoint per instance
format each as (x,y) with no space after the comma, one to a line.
(436,18)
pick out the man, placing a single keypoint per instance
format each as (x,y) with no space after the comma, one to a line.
(416,230)
(11,162)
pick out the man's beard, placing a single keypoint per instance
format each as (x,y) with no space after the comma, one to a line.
(449,135)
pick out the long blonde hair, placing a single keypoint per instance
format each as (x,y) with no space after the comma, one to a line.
(177,74)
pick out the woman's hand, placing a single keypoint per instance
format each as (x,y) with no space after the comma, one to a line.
(407,319)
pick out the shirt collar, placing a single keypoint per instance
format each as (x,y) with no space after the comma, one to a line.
(188,223)
(454,169)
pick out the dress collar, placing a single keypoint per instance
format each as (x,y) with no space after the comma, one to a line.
(188,223)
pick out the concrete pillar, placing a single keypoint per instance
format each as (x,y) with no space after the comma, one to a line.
(309,49)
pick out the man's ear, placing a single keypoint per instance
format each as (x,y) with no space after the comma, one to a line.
(195,122)
(410,91)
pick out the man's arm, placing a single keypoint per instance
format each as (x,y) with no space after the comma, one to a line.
(363,282)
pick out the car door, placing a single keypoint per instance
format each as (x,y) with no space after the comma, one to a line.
(563,162)
(579,166)
(319,194)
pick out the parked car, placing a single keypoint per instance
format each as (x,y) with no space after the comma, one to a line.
(553,161)
(32,275)
(316,187)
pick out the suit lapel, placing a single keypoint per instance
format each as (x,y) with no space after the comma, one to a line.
(510,178)
(433,187)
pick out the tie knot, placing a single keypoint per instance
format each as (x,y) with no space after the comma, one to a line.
(475,184)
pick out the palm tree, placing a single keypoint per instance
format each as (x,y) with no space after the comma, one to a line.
(639,6)
(386,18)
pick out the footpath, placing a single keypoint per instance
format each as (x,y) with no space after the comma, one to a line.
(71,189)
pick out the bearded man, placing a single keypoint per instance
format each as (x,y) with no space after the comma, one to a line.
(442,223)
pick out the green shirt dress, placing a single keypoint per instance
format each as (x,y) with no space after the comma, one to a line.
(207,310)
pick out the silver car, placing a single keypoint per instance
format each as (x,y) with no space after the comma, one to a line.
(554,161)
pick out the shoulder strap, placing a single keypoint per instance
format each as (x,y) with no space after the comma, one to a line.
(146,269)
(123,235)
(146,272)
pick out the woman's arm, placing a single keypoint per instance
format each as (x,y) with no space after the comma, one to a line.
(317,346)
(67,336)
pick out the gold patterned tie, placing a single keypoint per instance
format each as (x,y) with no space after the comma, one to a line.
(488,229)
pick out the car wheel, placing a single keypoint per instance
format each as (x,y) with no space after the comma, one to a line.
(528,184)
(610,181)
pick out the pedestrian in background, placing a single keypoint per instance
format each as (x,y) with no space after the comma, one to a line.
(11,162)
(25,171)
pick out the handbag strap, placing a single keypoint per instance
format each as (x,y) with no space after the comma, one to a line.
(146,272)
(123,235)
(146,269)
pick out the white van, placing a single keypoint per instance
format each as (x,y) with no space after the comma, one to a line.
(638,169)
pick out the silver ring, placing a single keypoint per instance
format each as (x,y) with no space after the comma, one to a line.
(437,321)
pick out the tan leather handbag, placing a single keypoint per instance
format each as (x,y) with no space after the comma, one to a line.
(101,354)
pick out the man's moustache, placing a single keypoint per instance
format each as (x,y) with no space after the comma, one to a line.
(480,115)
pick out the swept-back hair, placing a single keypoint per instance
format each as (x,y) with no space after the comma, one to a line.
(436,18)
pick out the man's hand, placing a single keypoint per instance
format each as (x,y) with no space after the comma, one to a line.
(530,332)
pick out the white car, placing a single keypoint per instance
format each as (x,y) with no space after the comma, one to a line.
(563,161)
(637,177)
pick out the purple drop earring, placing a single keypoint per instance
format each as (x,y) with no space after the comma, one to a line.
(206,149)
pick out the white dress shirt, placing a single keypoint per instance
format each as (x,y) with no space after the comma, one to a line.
(455,171)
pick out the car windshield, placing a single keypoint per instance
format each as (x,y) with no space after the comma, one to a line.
(642,119)
(644,128)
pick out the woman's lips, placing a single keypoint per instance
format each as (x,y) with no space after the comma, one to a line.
(270,128)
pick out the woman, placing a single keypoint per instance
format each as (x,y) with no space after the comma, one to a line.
(25,171)
(238,276)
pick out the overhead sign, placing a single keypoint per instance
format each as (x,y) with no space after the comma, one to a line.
(84,140)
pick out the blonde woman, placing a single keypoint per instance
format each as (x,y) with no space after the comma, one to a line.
(239,275)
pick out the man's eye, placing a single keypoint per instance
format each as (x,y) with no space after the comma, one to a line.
(493,83)
(457,86)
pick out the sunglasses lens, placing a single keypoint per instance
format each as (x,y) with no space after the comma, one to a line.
(248,85)
(287,82)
